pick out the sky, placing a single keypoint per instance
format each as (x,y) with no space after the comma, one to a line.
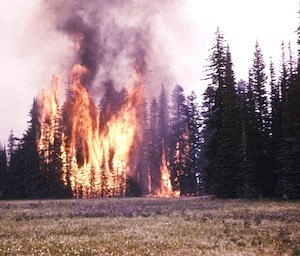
(31,51)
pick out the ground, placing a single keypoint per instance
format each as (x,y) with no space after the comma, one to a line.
(150,226)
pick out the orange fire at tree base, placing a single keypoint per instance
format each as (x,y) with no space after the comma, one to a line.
(165,189)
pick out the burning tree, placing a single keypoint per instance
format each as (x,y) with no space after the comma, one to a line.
(113,149)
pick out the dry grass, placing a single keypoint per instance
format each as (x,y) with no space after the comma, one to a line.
(149,226)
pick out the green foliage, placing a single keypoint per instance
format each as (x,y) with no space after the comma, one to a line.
(195,143)
(3,171)
(222,135)
(178,141)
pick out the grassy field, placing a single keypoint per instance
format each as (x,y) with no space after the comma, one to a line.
(149,226)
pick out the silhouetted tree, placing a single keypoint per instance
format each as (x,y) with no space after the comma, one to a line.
(194,142)
(221,133)
(3,171)
(163,125)
(179,141)
(29,151)
(229,154)
(289,173)
(246,176)
(153,146)
(212,114)
(261,136)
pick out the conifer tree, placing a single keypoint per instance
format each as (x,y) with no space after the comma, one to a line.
(230,134)
(15,188)
(142,164)
(290,173)
(258,83)
(276,119)
(23,167)
(246,177)
(3,171)
(221,133)
(154,146)
(179,141)
(163,118)
(30,154)
(163,126)
(51,163)
(195,185)
(261,134)
(212,115)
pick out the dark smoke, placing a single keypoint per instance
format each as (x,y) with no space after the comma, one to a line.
(117,37)
(89,52)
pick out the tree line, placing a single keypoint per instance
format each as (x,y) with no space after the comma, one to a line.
(251,137)
(30,171)
(242,142)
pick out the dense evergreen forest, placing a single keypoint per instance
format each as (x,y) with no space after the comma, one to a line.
(243,141)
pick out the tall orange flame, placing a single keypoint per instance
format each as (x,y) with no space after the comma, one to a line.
(96,157)
(165,189)
(48,118)
(96,162)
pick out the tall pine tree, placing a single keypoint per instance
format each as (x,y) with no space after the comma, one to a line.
(179,141)
(3,171)
(264,172)
(222,136)
(195,185)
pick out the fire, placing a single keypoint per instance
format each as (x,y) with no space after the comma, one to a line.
(97,158)
(165,189)
(95,161)
(49,109)
(49,101)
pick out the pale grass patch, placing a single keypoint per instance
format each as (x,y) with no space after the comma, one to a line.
(149,226)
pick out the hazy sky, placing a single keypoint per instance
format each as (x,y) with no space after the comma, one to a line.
(31,52)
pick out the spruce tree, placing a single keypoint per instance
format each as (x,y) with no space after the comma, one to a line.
(179,141)
(163,126)
(142,162)
(3,171)
(163,118)
(51,162)
(195,185)
(246,176)
(23,163)
(212,115)
(261,147)
(32,176)
(15,188)
(154,146)
(221,133)
(291,143)
(230,134)
(276,119)
(289,152)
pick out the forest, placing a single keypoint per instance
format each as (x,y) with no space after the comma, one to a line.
(242,141)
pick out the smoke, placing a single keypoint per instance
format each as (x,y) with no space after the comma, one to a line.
(88,52)
(115,37)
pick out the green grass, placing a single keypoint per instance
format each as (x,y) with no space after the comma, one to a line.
(149,226)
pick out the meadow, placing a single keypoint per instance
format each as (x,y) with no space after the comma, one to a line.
(150,226)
